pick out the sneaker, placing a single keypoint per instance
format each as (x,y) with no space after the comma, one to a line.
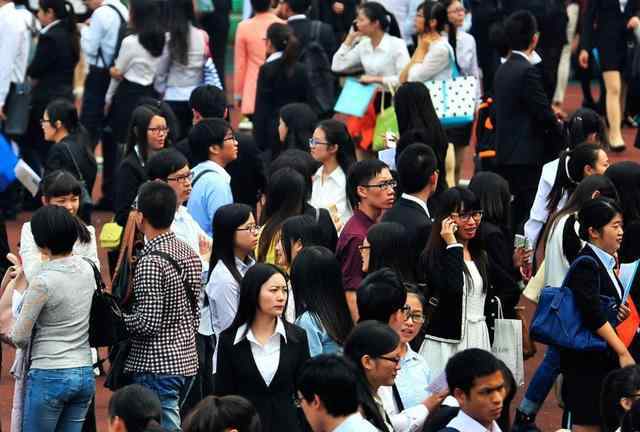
(524,423)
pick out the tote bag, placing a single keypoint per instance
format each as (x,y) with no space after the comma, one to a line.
(386,121)
(507,344)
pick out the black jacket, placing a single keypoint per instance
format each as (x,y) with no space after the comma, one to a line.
(410,215)
(604,22)
(247,172)
(62,156)
(527,132)
(53,66)
(274,90)
(131,174)
(237,374)
(302,30)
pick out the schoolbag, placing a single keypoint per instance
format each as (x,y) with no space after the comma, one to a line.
(485,159)
(318,67)
(122,32)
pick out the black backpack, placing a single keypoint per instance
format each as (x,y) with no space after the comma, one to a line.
(122,32)
(318,67)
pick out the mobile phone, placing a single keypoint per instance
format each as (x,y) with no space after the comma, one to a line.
(354,26)
(454,227)
(519,241)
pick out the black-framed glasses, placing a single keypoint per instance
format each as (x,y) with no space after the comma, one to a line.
(297,400)
(315,142)
(253,229)
(182,178)
(230,138)
(363,247)
(406,311)
(417,317)
(159,130)
(394,360)
(385,185)
(43,121)
(466,216)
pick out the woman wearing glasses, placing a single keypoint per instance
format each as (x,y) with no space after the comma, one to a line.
(458,282)
(332,146)
(260,355)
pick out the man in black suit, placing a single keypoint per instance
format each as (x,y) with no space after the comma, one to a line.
(295,11)
(527,131)
(418,176)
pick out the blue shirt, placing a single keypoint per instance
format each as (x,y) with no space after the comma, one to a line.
(413,378)
(209,193)
(319,340)
(102,33)
(355,423)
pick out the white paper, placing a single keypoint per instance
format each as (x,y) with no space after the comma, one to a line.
(439,384)
(388,156)
(28,177)
(627,272)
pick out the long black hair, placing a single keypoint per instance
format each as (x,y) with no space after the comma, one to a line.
(337,134)
(388,243)
(375,11)
(226,221)
(316,278)
(571,165)
(285,198)
(138,407)
(301,121)
(584,123)
(455,200)
(146,20)
(54,228)
(63,10)
(452,31)
(596,214)
(282,39)
(302,228)
(64,111)
(181,17)
(618,384)
(250,287)
(495,197)
(215,413)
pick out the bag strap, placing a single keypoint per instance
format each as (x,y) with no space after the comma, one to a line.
(122,22)
(455,72)
(195,180)
(178,269)
(100,287)
(73,159)
(574,264)
(126,251)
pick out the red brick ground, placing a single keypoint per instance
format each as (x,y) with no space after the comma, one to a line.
(548,419)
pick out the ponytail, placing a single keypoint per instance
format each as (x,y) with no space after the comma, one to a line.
(283,40)
(377,12)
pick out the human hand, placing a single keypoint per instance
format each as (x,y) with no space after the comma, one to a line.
(625,359)
(2,115)
(521,256)
(338,8)
(447,232)
(352,37)
(434,401)
(583,59)
(623,312)
(205,246)
(115,73)
(633,23)
(370,79)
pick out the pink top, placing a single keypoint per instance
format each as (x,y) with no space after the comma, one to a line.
(250,54)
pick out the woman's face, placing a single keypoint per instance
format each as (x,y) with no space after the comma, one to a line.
(321,149)
(467,222)
(419,21)
(365,25)
(282,130)
(273,296)
(45,17)
(412,326)
(609,237)
(365,249)
(599,167)
(48,129)
(382,370)
(70,202)
(456,13)
(247,236)
(157,133)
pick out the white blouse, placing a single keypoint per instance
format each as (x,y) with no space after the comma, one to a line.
(556,264)
(331,192)
(386,60)
(436,65)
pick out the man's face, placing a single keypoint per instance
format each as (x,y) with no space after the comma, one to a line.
(180,182)
(380,192)
(311,411)
(484,401)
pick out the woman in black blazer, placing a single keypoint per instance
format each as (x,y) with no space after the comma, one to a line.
(282,80)
(584,371)
(606,27)
(51,71)
(260,355)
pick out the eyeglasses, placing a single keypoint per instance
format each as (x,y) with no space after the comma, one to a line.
(363,247)
(229,138)
(393,360)
(43,121)
(417,318)
(385,185)
(457,10)
(254,229)
(475,214)
(183,178)
(159,130)
(406,311)
(314,142)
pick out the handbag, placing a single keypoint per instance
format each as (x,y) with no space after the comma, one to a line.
(106,323)
(557,320)
(110,236)
(117,377)
(209,72)
(17,108)
(355,97)
(85,195)
(454,99)
(386,122)
(507,344)
(130,243)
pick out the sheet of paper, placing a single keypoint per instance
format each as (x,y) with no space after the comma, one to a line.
(439,384)
(388,156)
(28,177)
(627,272)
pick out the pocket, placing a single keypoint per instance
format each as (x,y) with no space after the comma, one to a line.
(52,387)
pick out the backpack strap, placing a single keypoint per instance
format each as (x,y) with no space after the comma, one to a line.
(123,22)
(315,30)
(178,269)
(195,180)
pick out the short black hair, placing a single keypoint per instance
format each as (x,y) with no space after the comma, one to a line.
(519,29)
(209,101)
(157,202)
(209,132)
(332,378)
(60,183)
(137,406)
(416,165)
(164,163)
(299,6)
(298,160)
(463,368)
(260,5)
(380,295)
(54,228)
(361,173)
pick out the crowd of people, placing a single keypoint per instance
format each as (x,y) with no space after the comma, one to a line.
(299,276)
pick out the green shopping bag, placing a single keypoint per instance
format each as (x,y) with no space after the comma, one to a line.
(386,121)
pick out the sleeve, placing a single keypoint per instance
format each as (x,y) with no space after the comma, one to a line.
(34,300)
(92,34)
(126,54)
(262,110)
(351,264)
(216,194)
(502,274)
(9,46)
(163,70)
(224,379)
(240,58)
(410,420)
(539,213)
(588,22)
(346,58)
(451,275)
(226,301)
(29,253)
(314,336)
(584,282)
(434,62)
(537,102)
(145,318)
(43,58)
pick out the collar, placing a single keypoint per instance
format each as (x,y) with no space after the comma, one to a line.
(337,175)
(275,56)
(608,260)
(243,332)
(351,423)
(151,245)
(385,43)
(362,216)
(217,168)
(534,58)
(46,29)
(463,422)
(181,213)
(244,266)
(297,17)
(418,201)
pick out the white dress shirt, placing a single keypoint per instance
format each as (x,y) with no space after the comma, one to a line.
(436,65)
(355,423)
(267,356)
(102,33)
(467,56)
(411,419)
(331,191)
(386,60)
(274,56)
(556,264)
(464,423)
(186,228)
(14,50)
(609,262)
